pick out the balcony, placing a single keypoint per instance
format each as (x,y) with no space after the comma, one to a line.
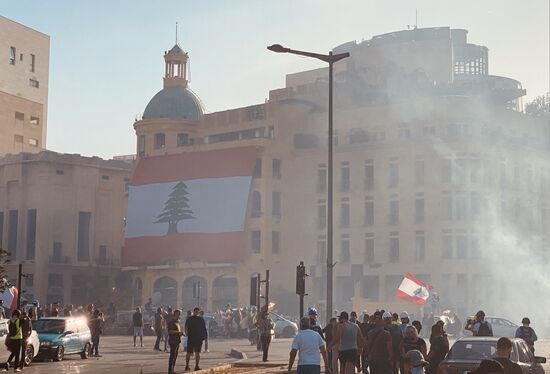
(102,261)
(60,260)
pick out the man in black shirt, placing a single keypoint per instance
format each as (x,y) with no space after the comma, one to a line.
(174,339)
(504,349)
(195,329)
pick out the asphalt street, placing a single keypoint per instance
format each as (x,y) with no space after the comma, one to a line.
(120,357)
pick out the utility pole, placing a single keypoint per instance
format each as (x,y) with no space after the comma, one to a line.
(267,290)
(258,308)
(19,290)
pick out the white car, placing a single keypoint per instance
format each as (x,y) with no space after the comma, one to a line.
(501,327)
(33,344)
(284,328)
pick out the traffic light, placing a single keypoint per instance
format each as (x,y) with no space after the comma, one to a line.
(301,279)
(253,291)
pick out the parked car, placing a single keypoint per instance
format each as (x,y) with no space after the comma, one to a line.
(33,344)
(60,336)
(466,355)
(284,328)
(501,327)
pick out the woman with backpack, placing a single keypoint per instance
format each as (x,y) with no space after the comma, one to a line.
(14,339)
(527,333)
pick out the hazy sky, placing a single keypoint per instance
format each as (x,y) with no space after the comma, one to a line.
(106,55)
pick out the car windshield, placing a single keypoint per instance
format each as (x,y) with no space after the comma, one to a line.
(49,326)
(472,350)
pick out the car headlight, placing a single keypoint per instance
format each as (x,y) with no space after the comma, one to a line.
(45,344)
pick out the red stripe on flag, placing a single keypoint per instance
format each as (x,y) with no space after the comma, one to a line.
(418,281)
(157,250)
(15,293)
(416,300)
(233,162)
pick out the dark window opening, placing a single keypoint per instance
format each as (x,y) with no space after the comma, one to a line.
(31,233)
(84,220)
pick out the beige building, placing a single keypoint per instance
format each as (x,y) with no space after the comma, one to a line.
(62,217)
(24,57)
(432,158)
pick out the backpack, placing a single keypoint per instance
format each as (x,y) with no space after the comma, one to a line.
(484,329)
(526,334)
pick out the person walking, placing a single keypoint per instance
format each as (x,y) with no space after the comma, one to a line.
(349,340)
(314,325)
(195,329)
(158,326)
(207,325)
(439,347)
(96,328)
(137,321)
(264,325)
(168,316)
(478,326)
(15,335)
(379,347)
(310,346)
(392,326)
(411,341)
(174,339)
(504,350)
(329,331)
(527,333)
(26,330)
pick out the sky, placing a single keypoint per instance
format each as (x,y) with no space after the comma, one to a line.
(106,55)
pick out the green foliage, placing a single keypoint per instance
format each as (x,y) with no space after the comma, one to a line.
(176,208)
(4,282)
(539,107)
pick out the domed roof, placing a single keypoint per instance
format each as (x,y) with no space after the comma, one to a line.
(174,102)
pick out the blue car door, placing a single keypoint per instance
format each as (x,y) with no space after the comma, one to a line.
(72,341)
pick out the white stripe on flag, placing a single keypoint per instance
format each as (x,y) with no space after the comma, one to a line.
(411,288)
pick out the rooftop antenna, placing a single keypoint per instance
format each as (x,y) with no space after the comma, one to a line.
(415,18)
(176,33)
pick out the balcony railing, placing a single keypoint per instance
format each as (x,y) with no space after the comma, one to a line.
(60,259)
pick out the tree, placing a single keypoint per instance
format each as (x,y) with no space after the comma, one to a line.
(4,282)
(539,107)
(176,208)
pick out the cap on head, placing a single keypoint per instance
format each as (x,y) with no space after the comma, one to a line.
(386,315)
(403,314)
(416,358)
(312,312)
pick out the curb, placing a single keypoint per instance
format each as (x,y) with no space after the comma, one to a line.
(239,355)
(215,369)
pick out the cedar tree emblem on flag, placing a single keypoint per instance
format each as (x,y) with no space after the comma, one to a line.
(413,290)
(176,208)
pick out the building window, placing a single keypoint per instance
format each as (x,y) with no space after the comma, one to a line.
(34,83)
(370,288)
(344,212)
(276,204)
(446,171)
(321,214)
(394,247)
(256,241)
(29,280)
(102,258)
(369,248)
(460,171)
(13,222)
(13,54)
(276,169)
(345,181)
(105,177)
(446,206)
(59,172)
(460,206)
(160,140)
(33,142)
(475,205)
(428,131)
(369,211)
(19,116)
(275,242)
(475,170)
(256,204)
(182,140)
(31,233)
(141,146)
(394,174)
(419,208)
(57,253)
(369,175)
(55,280)
(83,250)
(344,250)
(461,246)
(32,64)
(420,246)
(419,173)
(321,249)
(257,168)
(474,247)
(394,210)
(18,138)
(447,244)
(322,178)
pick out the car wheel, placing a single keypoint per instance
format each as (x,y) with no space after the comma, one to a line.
(29,355)
(86,351)
(59,353)
(288,332)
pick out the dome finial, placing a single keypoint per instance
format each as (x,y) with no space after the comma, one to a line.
(176,32)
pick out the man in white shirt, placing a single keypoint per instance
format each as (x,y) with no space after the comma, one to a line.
(311,346)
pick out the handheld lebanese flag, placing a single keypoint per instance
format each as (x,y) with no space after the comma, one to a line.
(413,290)
(9,298)
(189,206)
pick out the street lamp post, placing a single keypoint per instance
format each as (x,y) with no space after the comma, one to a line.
(330,59)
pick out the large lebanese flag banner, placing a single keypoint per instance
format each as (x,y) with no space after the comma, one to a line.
(9,297)
(188,206)
(413,290)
